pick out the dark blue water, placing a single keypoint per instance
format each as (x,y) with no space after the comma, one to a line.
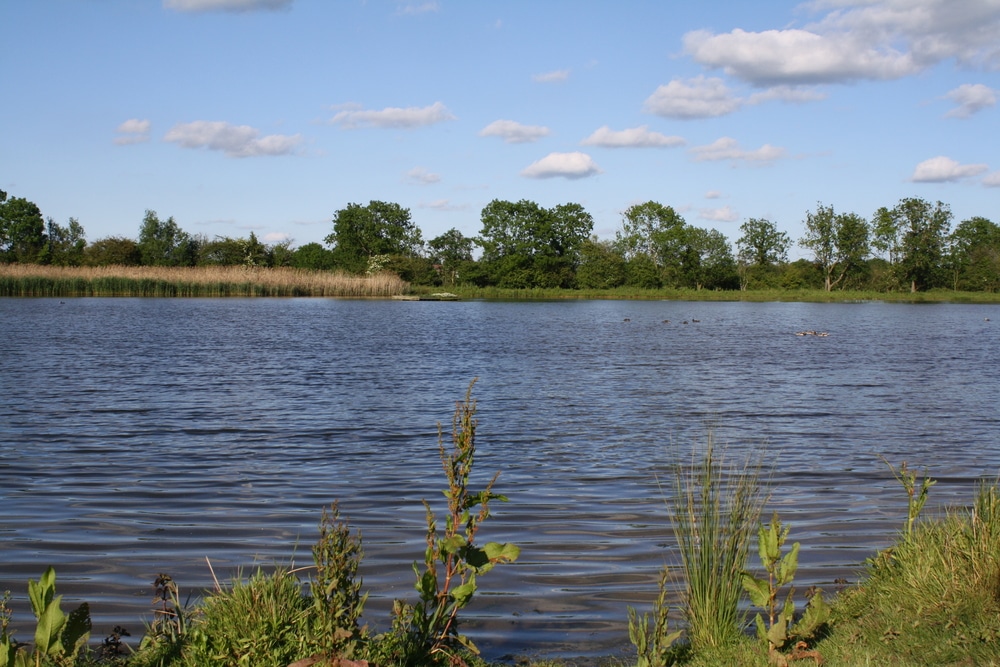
(146,436)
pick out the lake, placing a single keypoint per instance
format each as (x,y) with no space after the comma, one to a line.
(140,436)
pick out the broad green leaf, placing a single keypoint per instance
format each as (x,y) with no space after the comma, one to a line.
(778,634)
(758,589)
(476,557)
(502,553)
(453,544)
(77,630)
(42,591)
(49,628)
(789,564)
(462,594)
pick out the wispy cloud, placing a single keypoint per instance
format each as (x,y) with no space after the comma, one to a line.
(992,180)
(636,137)
(724,214)
(943,169)
(421,176)
(393,117)
(133,131)
(513,132)
(971,98)
(442,205)
(233,140)
(698,97)
(556,76)
(562,165)
(226,5)
(407,8)
(728,149)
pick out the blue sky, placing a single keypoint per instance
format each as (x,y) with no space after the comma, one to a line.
(270,115)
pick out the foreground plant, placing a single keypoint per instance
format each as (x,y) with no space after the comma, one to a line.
(715,512)
(452,560)
(915,499)
(650,633)
(780,629)
(59,637)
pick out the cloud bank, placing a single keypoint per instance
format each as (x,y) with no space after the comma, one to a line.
(393,117)
(943,169)
(133,131)
(636,137)
(513,132)
(727,148)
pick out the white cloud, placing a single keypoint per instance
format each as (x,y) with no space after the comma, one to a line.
(513,132)
(724,214)
(791,94)
(225,5)
(393,117)
(943,169)
(442,205)
(277,237)
(992,180)
(857,40)
(411,8)
(699,97)
(727,148)
(421,176)
(636,137)
(556,76)
(565,165)
(970,98)
(133,131)
(713,194)
(233,140)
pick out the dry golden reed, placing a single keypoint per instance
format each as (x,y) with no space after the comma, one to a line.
(36,280)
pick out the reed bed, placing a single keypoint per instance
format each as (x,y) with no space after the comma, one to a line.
(30,280)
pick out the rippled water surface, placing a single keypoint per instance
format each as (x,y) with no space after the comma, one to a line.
(144,436)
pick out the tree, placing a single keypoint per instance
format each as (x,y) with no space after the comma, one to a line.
(525,245)
(839,242)
(760,248)
(361,234)
(601,265)
(450,253)
(974,255)
(64,246)
(113,251)
(657,231)
(22,230)
(709,260)
(313,256)
(164,243)
(923,230)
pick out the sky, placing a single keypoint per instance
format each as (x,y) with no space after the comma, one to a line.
(269,116)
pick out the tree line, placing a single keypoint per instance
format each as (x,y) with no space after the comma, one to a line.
(911,246)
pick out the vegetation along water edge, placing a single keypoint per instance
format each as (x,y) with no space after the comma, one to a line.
(931,598)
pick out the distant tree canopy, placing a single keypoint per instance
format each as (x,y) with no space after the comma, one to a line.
(524,245)
(364,237)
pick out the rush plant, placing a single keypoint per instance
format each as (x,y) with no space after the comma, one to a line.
(452,560)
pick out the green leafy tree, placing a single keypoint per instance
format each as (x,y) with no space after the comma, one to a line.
(525,245)
(759,250)
(974,255)
(839,242)
(112,251)
(601,265)
(363,233)
(164,243)
(450,253)
(924,230)
(313,256)
(22,230)
(708,260)
(64,246)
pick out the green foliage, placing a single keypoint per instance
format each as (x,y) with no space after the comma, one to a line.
(452,560)
(915,500)
(164,243)
(22,230)
(113,251)
(839,241)
(59,637)
(64,246)
(914,235)
(650,633)
(780,629)
(362,232)
(337,602)
(451,252)
(762,244)
(525,245)
(715,512)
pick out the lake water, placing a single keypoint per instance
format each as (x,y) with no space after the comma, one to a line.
(144,436)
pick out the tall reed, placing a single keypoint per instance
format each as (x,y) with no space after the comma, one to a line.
(715,513)
(209,281)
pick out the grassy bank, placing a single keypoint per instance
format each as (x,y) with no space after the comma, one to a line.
(31,280)
(932,598)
